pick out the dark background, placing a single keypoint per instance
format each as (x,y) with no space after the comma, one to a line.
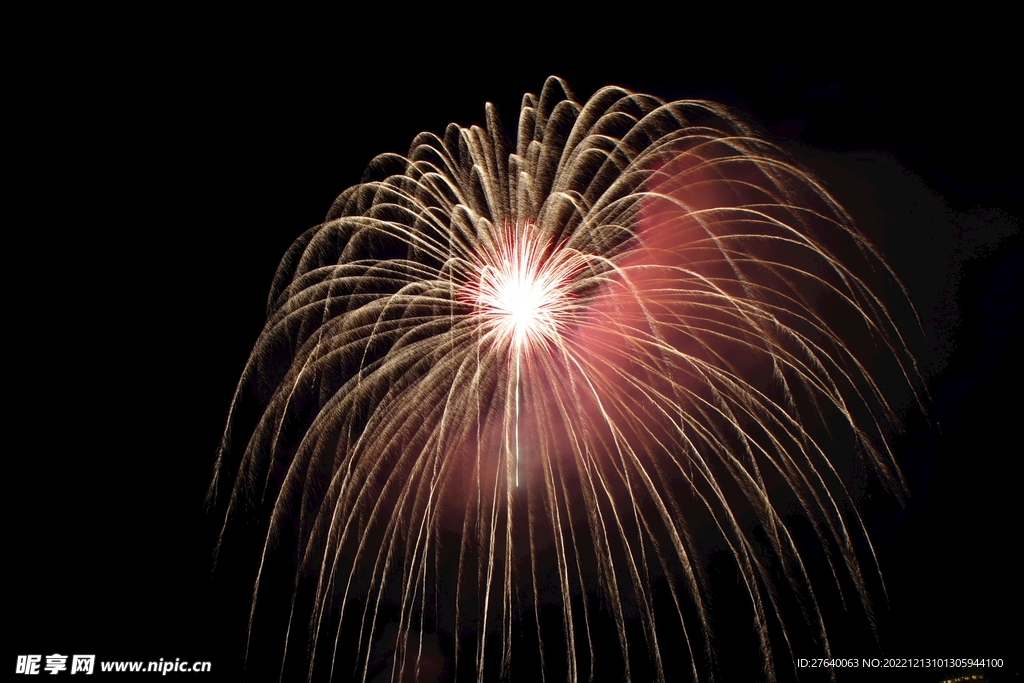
(162,171)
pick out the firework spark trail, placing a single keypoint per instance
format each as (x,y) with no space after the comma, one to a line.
(522,294)
(643,316)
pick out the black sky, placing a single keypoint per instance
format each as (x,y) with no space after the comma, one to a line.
(164,170)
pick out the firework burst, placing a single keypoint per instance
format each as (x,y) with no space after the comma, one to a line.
(503,393)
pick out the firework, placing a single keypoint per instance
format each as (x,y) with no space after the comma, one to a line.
(504,392)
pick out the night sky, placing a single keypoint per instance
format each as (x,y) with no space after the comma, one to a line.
(164,172)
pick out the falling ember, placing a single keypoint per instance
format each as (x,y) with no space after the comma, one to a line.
(505,393)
